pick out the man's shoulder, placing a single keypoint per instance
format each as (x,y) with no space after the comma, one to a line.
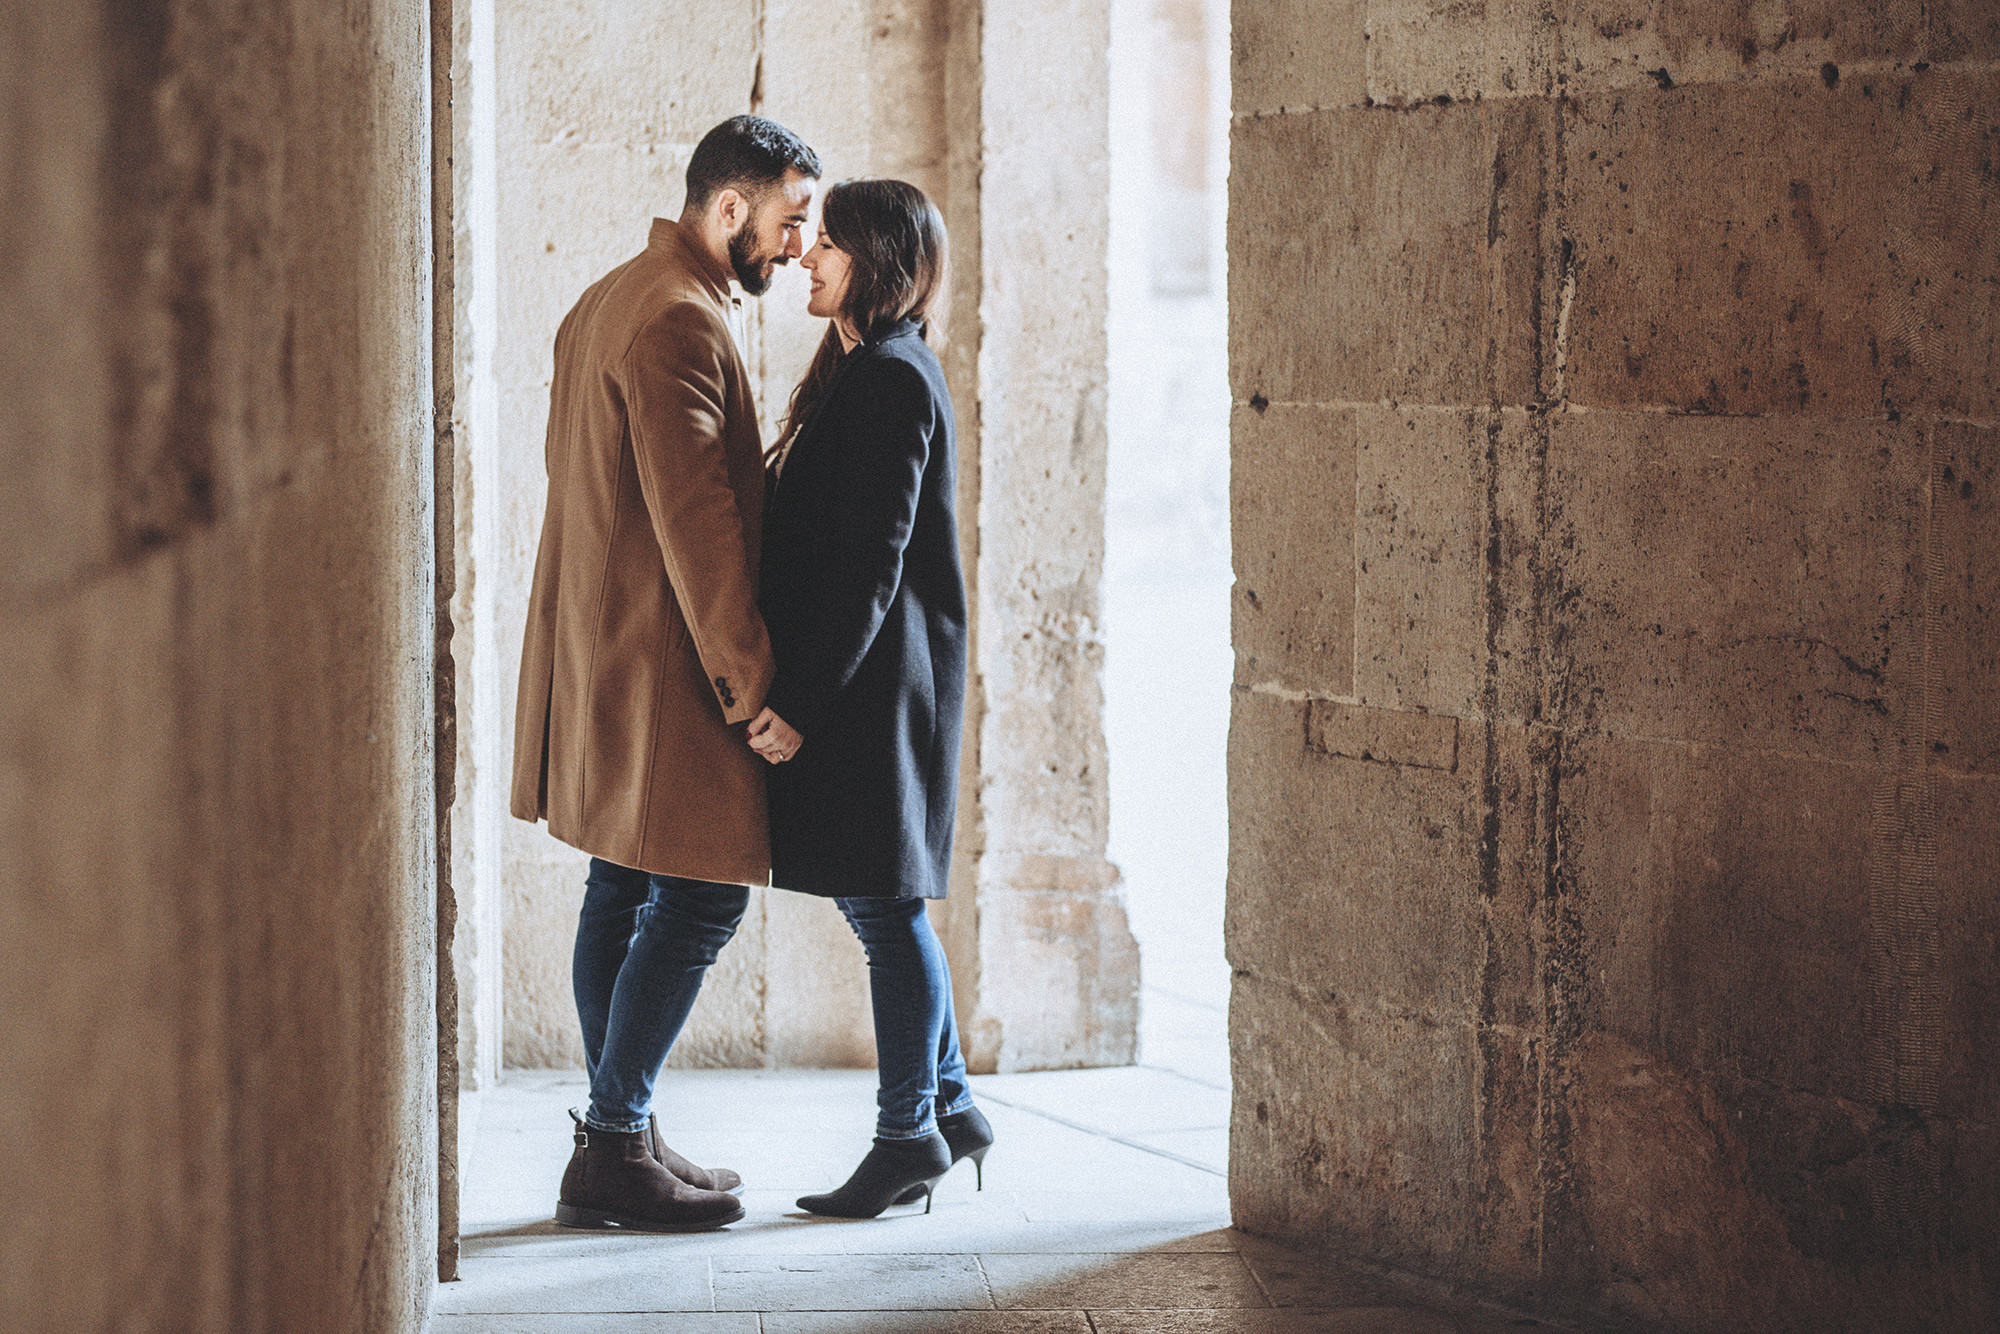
(649,303)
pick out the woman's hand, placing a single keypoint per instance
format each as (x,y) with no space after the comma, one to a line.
(774,738)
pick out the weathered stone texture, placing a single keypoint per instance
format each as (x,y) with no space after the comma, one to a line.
(1413,255)
(216,889)
(1297,54)
(1963,573)
(1050,910)
(1351,1119)
(1746,583)
(1293,604)
(1342,870)
(1791,289)
(1664,374)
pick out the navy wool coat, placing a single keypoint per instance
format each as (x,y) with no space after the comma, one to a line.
(862,594)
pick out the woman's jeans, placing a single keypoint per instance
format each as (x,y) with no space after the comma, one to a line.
(644,942)
(916,1037)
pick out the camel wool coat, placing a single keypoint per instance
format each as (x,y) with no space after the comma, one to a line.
(645,652)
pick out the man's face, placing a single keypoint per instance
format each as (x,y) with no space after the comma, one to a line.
(769,235)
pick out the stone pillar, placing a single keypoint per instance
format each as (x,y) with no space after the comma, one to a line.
(1058,968)
(1613,766)
(217,1080)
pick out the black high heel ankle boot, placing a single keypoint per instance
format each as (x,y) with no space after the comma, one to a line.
(894,1169)
(970,1135)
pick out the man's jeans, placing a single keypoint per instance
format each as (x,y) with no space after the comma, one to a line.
(643,943)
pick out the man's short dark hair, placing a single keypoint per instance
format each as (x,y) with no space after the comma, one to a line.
(747,153)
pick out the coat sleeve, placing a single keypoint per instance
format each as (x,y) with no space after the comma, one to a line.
(675,384)
(866,513)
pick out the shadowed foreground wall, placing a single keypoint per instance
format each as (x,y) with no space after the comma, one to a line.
(216,1099)
(1615,775)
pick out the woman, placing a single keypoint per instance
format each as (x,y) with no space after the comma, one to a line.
(861,591)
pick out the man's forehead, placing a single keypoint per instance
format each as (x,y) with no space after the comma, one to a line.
(797,190)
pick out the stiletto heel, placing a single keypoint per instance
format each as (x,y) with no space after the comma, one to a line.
(969,1136)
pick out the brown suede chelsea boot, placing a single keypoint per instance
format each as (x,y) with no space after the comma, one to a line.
(705,1178)
(613,1182)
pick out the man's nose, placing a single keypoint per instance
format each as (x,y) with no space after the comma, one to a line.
(793,249)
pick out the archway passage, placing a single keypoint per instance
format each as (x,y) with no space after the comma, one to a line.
(561,163)
(1612,778)
(1166,571)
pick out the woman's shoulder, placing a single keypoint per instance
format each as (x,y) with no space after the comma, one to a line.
(900,364)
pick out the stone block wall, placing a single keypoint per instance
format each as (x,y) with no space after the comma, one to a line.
(217,1088)
(1613,768)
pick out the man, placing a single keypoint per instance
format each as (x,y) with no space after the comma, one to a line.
(645,655)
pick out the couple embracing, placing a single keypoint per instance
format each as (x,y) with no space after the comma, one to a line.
(747,666)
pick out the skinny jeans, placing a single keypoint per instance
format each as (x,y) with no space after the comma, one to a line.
(644,943)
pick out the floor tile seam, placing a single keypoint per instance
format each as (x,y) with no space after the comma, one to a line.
(985,1280)
(1107,1135)
(1258,1279)
(1182,1074)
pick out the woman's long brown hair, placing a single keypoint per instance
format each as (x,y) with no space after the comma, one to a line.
(894,240)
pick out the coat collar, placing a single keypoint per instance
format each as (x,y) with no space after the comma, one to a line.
(669,237)
(900,329)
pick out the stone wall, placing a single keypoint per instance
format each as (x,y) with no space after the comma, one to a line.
(1614,764)
(216,1089)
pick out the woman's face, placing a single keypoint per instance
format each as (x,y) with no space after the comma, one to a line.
(828,264)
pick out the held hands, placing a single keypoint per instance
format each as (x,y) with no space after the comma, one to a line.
(773,738)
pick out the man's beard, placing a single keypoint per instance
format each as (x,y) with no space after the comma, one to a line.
(749,270)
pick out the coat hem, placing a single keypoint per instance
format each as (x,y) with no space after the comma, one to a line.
(726,872)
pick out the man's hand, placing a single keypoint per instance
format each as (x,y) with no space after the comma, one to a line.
(774,738)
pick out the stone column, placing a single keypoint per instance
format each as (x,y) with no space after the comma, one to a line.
(1058,968)
(1614,767)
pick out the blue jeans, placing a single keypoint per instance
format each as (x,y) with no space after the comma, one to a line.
(643,943)
(921,1073)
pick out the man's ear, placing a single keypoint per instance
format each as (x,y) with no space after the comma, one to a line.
(730,209)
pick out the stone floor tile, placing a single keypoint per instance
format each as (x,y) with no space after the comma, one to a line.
(1361,1320)
(702,1322)
(1209,1147)
(1163,1012)
(1197,1209)
(834,1282)
(926,1322)
(1203,1060)
(627,1281)
(1294,1278)
(1122,1282)
(1044,1155)
(1125,1100)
